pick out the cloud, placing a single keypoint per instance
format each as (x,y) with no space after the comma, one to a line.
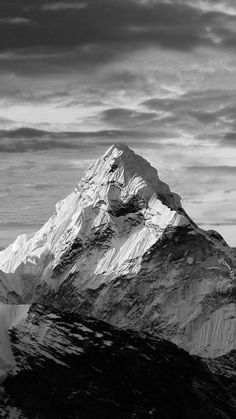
(227,7)
(5,120)
(200,100)
(25,140)
(129,24)
(31,96)
(63,6)
(66,37)
(50,59)
(16,21)
(230,139)
(121,117)
(208,114)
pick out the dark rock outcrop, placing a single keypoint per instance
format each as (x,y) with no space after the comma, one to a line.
(73,367)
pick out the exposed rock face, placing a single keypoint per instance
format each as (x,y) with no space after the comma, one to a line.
(10,316)
(122,249)
(70,367)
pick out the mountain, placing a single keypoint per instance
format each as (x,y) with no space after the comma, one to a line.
(121,248)
(74,367)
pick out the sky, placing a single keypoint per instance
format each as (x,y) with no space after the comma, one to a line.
(78,76)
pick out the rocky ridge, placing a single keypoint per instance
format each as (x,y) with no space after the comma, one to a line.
(74,367)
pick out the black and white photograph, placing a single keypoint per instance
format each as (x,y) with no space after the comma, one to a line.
(118,209)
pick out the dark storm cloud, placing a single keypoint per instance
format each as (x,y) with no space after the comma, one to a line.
(28,133)
(101,22)
(48,59)
(230,138)
(195,101)
(208,109)
(103,29)
(24,140)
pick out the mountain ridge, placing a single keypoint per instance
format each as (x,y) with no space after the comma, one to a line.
(71,366)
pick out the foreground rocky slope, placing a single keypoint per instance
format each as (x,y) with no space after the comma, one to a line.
(70,367)
(122,249)
(10,316)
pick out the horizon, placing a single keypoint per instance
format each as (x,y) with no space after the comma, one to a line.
(77,76)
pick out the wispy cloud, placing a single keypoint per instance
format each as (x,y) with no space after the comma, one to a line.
(227,7)
(63,6)
(16,21)
(122,117)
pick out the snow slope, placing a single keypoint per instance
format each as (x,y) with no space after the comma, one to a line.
(121,248)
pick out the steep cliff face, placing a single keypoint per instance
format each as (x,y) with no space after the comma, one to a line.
(72,367)
(121,248)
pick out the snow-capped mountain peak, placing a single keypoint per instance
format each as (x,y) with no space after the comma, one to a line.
(121,169)
(120,184)
(120,247)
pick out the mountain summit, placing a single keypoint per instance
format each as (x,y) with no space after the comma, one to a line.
(121,248)
(117,188)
